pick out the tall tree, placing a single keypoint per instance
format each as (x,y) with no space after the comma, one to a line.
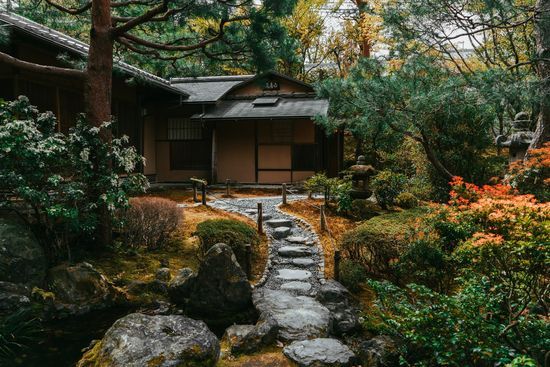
(229,27)
(506,35)
(542,22)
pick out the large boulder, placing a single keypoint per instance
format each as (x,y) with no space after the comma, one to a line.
(179,287)
(337,299)
(139,340)
(380,351)
(298,317)
(220,290)
(80,288)
(22,259)
(321,352)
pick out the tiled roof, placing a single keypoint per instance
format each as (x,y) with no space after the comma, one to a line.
(78,47)
(207,89)
(285,108)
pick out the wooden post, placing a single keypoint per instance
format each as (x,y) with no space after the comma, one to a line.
(284,194)
(203,189)
(195,199)
(337,265)
(227,192)
(248,260)
(260,219)
(323,218)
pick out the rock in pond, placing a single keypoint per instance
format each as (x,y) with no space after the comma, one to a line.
(220,289)
(80,288)
(22,259)
(138,340)
(13,297)
(321,352)
(298,317)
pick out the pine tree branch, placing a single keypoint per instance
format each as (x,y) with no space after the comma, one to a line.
(72,11)
(44,69)
(198,45)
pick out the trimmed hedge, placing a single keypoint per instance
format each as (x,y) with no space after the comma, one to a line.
(233,233)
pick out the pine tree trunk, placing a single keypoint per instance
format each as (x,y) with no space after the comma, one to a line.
(542,32)
(98,94)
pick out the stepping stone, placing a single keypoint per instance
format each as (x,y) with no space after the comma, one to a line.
(251,211)
(279,223)
(303,262)
(293,274)
(298,317)
(294,251)
(280,232)
(296,286)
(321,352)
(297,239)
(266,216)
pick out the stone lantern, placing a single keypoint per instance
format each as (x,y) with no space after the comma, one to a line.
(360,176)
(519,139)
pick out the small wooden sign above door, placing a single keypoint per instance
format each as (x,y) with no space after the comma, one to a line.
(271,85)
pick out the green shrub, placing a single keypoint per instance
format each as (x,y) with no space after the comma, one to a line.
(232,232)
(387,185)
(65,182)
(463,329)
(364,209)
(424,262)
(352,275)
(378,242)
(406,200)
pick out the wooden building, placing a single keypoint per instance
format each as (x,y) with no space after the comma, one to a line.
(248,129)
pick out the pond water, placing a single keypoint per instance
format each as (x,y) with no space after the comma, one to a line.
(62,341)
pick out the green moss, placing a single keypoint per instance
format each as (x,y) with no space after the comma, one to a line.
(156,361)
(42,295)
(92,359)
(396,223)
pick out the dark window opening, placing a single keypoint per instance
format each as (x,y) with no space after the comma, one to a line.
(304,157)
(190,155)
(184,129)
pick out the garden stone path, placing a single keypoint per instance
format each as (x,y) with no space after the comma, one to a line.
(294,272)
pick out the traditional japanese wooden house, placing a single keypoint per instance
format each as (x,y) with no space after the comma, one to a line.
(244,128)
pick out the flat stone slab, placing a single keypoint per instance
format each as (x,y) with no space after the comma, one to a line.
(281,232)
(303,262)
(296,286)
(297,239)
(294,251)
(298,317)
(293,274)
(319,352)
(251,211)
(274,223)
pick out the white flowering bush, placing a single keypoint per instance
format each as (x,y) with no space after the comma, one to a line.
(60,180)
